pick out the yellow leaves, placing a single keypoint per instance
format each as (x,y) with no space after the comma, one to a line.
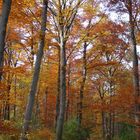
(103,64)
(138,37)
(18,70)
(3,87)
(7,127)
(42,134)
(13,36)
(13,100)
(17,47)
(90,11)
(29,2)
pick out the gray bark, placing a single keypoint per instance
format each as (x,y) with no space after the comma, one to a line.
(6,8)
(60,122)
(84,75)
(103,124)
(64,27)
(135,67)
(68,93)
(35,79)
(58,90)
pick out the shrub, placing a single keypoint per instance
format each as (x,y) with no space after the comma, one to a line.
(72,132)
(127,132)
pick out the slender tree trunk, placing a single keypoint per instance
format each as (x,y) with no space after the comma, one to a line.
(45,103)
(64,26)
(110,125)
(7,108)
(6,8)
(35,79)
(60,122)
(15,89)
(9,81)
(103,124)
(113,124)
(68,93)
(135,68)
(103,113)
(84,74)
(15,94)
(32,47)
(37,109)
(58,90)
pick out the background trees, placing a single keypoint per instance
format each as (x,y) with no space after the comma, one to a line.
(86,81)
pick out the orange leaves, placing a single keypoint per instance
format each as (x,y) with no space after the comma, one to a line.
(90,10)
(3,87)
(101,64)
(43,134)
(13,36)
(7,127)
(17,71)
(108,85)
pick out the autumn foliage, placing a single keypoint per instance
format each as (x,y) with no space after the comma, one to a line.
(88,73)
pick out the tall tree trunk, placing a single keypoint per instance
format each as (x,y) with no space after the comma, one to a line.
(64,26)
(58,90)
(60,122)
(135,67)
(9,82)
(84,74)
(6,8)
(15,90)
(104,124)
(68,92)
(32,47)
(45,103)
(15,95)
(35,79)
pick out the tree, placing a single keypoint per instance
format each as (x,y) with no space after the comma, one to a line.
(132,25)
(131,8)
(80,74)
(64,18)
(6,8)
(35,79)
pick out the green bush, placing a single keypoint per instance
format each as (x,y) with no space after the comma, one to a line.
(127,132)
(72,132)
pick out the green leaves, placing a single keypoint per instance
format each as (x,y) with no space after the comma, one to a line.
(71,131)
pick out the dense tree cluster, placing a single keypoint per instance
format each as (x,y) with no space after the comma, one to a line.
(69,69)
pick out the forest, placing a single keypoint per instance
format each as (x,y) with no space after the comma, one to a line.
(69,69)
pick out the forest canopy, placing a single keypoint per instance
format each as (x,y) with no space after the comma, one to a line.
(69,70)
